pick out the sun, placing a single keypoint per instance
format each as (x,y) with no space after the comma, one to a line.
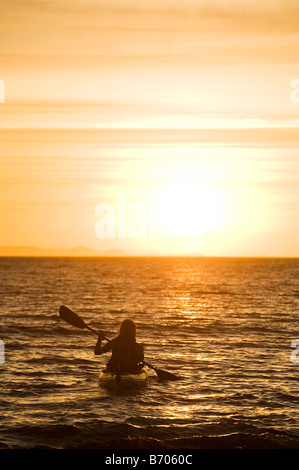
(189,209)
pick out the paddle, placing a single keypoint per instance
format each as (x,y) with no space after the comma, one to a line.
(162,374)
(73,319)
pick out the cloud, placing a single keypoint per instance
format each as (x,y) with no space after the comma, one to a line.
(227,6)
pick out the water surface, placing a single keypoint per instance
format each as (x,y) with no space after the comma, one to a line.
(224,325)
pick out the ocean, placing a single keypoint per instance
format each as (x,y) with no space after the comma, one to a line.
(224,325)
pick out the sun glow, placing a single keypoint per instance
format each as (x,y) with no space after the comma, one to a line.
(190,210)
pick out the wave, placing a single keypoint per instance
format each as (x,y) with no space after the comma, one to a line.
(60,360)
(266,440)
(212,292)
(237,396)
(105,436)
(287,397)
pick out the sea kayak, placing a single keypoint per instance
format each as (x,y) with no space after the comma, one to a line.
(108,379)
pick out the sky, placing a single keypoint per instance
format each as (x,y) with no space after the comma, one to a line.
(154,127)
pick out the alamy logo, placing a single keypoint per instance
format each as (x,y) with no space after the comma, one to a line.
(2,354)
(138,220)
(295,344)
(2,92)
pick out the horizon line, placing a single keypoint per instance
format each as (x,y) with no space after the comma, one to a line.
(86,252)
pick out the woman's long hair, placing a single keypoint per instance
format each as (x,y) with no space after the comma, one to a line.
(124,356)
(127,330)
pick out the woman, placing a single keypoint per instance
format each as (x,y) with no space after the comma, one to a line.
(127,354)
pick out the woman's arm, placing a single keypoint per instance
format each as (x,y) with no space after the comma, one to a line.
(99,349)
(140,352)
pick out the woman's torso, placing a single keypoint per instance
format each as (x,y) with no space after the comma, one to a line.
(126,356)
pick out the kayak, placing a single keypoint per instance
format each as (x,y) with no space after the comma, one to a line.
(108,379)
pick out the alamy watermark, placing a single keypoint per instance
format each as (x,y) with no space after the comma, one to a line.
(295,344)
(295,92)
(139,220)
(2,92)
(2,352)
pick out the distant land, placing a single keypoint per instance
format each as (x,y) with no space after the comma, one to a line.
(75,251)
(80,251)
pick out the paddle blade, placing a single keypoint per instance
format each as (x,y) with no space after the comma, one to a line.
(71,317)
(164,375)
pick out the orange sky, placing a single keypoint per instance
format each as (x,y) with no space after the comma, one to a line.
(203,89)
